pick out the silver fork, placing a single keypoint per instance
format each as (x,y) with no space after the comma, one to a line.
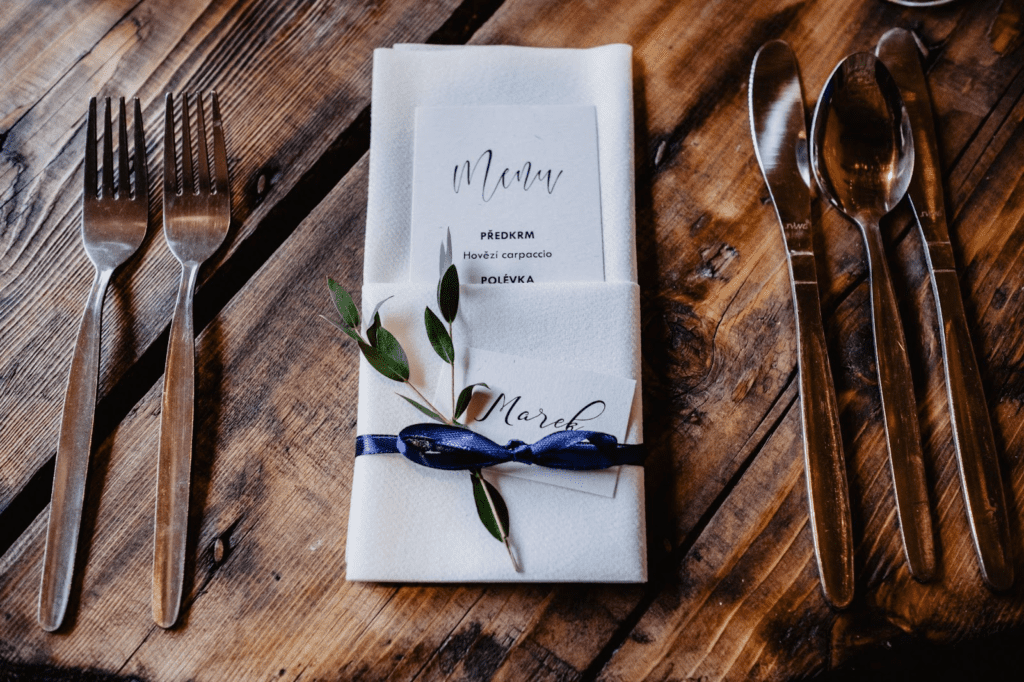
(113,227)
(196,220)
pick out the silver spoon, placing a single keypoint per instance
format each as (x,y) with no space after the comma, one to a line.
(862,155)
(920,3)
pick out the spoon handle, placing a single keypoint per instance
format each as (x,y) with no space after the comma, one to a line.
(899,409)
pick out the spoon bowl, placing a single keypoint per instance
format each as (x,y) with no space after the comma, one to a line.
(920,3)
(862,150)
(862,155)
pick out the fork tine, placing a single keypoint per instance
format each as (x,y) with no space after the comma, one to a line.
(141,169)
(90,152)
(108,152)
(220,156)
(170,167)
(122,152)
(202,160)
(187,182)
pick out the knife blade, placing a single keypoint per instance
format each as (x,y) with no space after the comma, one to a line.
(779,129)
(974,443)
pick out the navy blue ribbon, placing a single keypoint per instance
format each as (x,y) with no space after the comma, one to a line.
(449,447)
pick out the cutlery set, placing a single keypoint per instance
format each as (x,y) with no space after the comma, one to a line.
(872,143)
(196,221)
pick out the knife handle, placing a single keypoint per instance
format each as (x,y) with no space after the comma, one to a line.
(974,442)
(72,463)
(899,409)
(175,457)
(824,465)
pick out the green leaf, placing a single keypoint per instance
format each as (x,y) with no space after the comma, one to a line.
(388,345)
(448,294)
(464,397)
(384,357)
(371,331)
(379,362)
(439,337)
(490,507)
(425,410)
(343,301)
(348,330)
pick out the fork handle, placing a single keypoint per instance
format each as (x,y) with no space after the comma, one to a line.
(72,462)
(175,457)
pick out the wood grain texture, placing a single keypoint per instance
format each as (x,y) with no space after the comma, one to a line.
(734,591)
(277,128)
(956,604)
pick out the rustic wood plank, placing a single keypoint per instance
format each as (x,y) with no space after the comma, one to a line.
(957,605)
(696,626)
(44,40)
(292,76)
(691,630)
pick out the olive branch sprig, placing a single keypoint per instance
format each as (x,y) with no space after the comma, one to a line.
(385,354)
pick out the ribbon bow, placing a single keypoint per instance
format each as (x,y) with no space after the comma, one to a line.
(448,447)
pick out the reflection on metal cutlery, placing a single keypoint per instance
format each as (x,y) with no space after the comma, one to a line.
(778,125)
(975,446)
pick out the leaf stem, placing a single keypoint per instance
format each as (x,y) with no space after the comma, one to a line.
(515,564)
(452,337)
(497,518)
(424,399)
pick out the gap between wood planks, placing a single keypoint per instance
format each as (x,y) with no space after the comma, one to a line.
(777,411)
(278,225)
(998,118)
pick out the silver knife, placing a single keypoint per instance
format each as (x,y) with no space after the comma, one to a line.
(975,446)
(778,125)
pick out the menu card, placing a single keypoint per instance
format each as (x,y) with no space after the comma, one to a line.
(516,186)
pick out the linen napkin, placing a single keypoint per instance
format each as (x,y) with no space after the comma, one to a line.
(411,523)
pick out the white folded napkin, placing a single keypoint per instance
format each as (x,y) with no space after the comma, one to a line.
(409,523)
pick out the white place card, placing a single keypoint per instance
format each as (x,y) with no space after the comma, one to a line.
(519,188)
(528,399)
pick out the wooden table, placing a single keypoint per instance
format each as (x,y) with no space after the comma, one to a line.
(733,589)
